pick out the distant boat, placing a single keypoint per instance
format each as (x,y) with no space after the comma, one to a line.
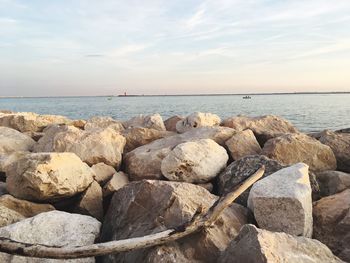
(247,97)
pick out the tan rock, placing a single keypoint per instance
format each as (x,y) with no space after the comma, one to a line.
(13,141)
(9,216)
(118,181)
(194,162)
(103,172)
(96,123)
(197,120)
(7,160)
(48,176)
(243,143)
(80,124)
(154,121)
(293,148)
(170,123)
(333,182)
(332,223)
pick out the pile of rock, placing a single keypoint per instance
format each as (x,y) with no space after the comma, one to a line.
(75,182)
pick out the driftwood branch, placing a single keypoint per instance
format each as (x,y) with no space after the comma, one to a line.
(199,221)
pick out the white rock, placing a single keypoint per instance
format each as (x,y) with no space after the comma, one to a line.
(282,202)
(154,121)
(243,143)
(196,120)
(96,123)
(13,141)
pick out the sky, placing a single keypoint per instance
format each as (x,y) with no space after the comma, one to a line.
(108,47)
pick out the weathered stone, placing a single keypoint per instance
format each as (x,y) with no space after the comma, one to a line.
(254,245)
(208,186)
(3,189)
(293,148)
(154,121)
(12,141)
(48,176)
(332,223)
(80,124)
(282,201)
(333,182)
(53,228)
(136,137)
(264,127)
(23,207)
(91,202)
(9,216)
(7,160)
(194,162)
(170,123)
(97,123)
(340,144)
(197,120)
(103,172)
(145,162)
(146,207)
(117,181)
(243,143)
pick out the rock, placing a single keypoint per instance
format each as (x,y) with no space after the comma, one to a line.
(170,123)
(97,123)
(243,143)
(118,181)
(197,120)
(345,130)
(194,162)
(254,245)
(7,160)
(333,182)
(264,127)
(208,186)
(281,202)
(91,202)
(103,172)
(8,217)
(53,228)
(293,148)
(332,223)
(80,124)
(240,170)
(13,141)
(136,137)
(154,121)
(23,207)
(3,189)
(144,162)
(146,207)
(340,144)
(48,176)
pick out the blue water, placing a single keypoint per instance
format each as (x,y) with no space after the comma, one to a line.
(310,112)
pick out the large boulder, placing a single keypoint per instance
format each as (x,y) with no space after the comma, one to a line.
(48,176)
(264,127)
(170,123)
(154,121)
(297,147)
(96,123)
(332,223)
(145,162)
(12,141)
(282,201)
(147,207)
(243,143)
(47,142)
(332,182)
(194,162)
(340,144)
(197,120)
(136,137)
(254,245)
(53,228)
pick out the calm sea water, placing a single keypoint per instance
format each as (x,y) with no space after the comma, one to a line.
(311,112)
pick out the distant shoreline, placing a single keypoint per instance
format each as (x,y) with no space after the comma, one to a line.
(185,95)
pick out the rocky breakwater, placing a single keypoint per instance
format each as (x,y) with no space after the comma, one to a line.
(78,182)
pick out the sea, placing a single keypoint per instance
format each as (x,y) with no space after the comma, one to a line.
(308,112)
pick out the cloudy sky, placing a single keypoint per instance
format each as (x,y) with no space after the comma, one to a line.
(83,47)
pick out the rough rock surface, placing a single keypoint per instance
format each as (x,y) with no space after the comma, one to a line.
(293,148)
(332,223)
(103,172)
(340,144)
(9,216)
(117,181)
(97,123)
(170,123)
(255,245)
(7,160)
(145,162)
(146,207)
(3,189)
(243,143)
(136,137)
(47,142)
(12,140)
(48,176)
(240,170)
(282,201)
(53,228)
(154,121)
(264,127)
(333,182)
(194,162)
(197,120)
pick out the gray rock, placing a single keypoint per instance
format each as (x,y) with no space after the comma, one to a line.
(243,143)
(333,182)
(197,120)
(13,141)
(170,123)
